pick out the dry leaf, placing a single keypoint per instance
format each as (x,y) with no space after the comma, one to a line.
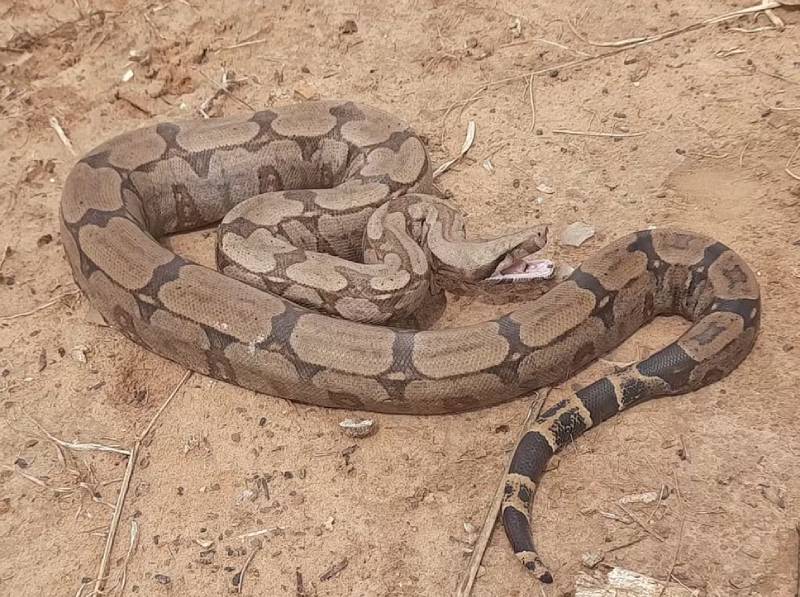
(468,141)
(576,234)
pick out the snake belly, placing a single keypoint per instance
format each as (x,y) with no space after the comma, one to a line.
(172,177)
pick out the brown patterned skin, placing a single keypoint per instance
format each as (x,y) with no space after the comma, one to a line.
(647,274)
(310,247)
(178,176)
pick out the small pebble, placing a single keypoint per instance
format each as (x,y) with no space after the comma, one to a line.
(162,579)
(79,353)
(348,27)
(640,498)
(358,427)
(247,495)
(591,559)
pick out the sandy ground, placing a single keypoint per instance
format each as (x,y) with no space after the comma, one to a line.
(719,113)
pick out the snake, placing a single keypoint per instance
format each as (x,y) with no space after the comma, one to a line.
(329,223)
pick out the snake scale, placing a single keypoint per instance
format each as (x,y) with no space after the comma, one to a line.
(280,317)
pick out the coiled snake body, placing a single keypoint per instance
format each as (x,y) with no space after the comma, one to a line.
(324,173)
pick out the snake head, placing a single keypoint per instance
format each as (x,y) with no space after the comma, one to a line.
(536,241)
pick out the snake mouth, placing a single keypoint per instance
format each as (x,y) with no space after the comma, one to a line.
(525,269)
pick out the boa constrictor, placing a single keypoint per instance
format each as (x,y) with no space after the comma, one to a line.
(327,171)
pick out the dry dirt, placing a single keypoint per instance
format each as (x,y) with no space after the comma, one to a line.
(719,113)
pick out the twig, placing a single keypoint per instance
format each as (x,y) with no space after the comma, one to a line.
(78,446)
(4,255)
(674,560)
(789,163)
(658,503)
(334,570)
(777,76)
(40,307)
(29,477)
(469,139)
(134,102)
(256,533)
(700,154)
(730,52)
(223,87)
(240,584)
(463,103)
(753,30)
(153,26)
(244,44)
(765,5)
(612,516)
(628,543)
(677,485)
(81,447)
(604,44)
(84,584)
(741,155)
(149,427)
(685,451)
(100,582)
(131,547)
(775,20)
(62,135)
(533,106)
(797,530)
(778,108)
(597,134)
(638,521)
(543,41)
(761,7)
(102,573)
(465,587)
